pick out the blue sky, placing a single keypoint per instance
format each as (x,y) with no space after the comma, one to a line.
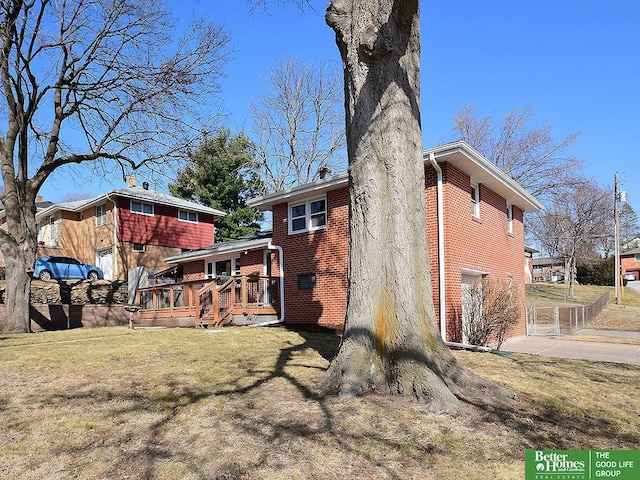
(574,63)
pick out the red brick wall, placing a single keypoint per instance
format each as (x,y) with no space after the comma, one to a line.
(321,252)
(193,270)
(479,244)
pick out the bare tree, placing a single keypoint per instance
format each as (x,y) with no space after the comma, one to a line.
(573,226)
(91,82)
(531,156)
(298,124)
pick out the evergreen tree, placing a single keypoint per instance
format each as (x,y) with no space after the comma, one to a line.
(218,175)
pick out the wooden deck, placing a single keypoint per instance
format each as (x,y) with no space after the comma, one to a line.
(241,299)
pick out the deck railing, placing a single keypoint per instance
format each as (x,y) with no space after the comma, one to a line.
(210,303)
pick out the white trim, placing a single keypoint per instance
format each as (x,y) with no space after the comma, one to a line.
(472,272)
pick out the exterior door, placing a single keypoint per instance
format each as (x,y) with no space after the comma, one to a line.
(105,262)
(467,303)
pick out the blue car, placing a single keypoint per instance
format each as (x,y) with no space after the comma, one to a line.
(65,268)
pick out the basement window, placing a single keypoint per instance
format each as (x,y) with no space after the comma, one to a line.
(306,282)
(138,247)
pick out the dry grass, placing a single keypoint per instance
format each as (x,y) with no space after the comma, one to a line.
(247,404)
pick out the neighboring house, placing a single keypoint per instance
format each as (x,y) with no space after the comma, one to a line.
(551,270)
(528,263)
(475,229)
(123,229)
(630,262)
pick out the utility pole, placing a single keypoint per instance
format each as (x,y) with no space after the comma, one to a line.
(616,237)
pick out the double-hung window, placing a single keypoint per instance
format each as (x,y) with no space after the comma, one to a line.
(308,215)
(185,216)
(101,215)
(141,208)
(475,200)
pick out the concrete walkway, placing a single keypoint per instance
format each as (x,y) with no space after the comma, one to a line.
(557,347)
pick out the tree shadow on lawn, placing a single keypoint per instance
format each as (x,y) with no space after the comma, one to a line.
(319,418)
(556,421)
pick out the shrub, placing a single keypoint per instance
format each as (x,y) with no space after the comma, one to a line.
(491,307)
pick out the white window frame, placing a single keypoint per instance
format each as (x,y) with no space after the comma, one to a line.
(475,199)
(509,218)
(210,266)
(187,214)
(142,205)
(308,216)
(101,215)
(52,230)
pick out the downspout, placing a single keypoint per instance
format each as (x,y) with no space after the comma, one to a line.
(441,269)
(116,253)
(281,275)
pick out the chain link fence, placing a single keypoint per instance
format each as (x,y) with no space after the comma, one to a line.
(556,321)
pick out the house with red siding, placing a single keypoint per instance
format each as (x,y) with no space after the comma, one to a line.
(124,229)
(474,226)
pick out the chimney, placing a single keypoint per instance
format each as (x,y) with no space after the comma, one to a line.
(324,172)
(38,198)
(131,182)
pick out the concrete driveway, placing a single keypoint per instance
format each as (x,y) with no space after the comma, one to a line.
(635,285)
(557,347)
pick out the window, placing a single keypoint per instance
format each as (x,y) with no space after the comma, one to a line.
(186,216)
(310,215)
(637,258)
(306,282)
(141,208)
(138,247)
(52,230)
(101,215)
(510,218)
(475,200)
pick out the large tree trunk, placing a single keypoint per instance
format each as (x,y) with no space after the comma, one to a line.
(19,244)
(17,295)
(391,342)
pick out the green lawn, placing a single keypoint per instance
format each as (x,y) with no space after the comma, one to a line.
(248,403)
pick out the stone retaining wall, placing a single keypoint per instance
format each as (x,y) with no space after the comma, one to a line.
(63,305)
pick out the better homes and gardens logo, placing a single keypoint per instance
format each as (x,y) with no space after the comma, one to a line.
(582,464)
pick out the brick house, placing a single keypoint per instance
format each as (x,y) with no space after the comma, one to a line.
(125,228)
(474,223)
(552,270)
(630,262)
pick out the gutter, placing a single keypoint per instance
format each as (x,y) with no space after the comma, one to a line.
(441,270)
(280,320)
